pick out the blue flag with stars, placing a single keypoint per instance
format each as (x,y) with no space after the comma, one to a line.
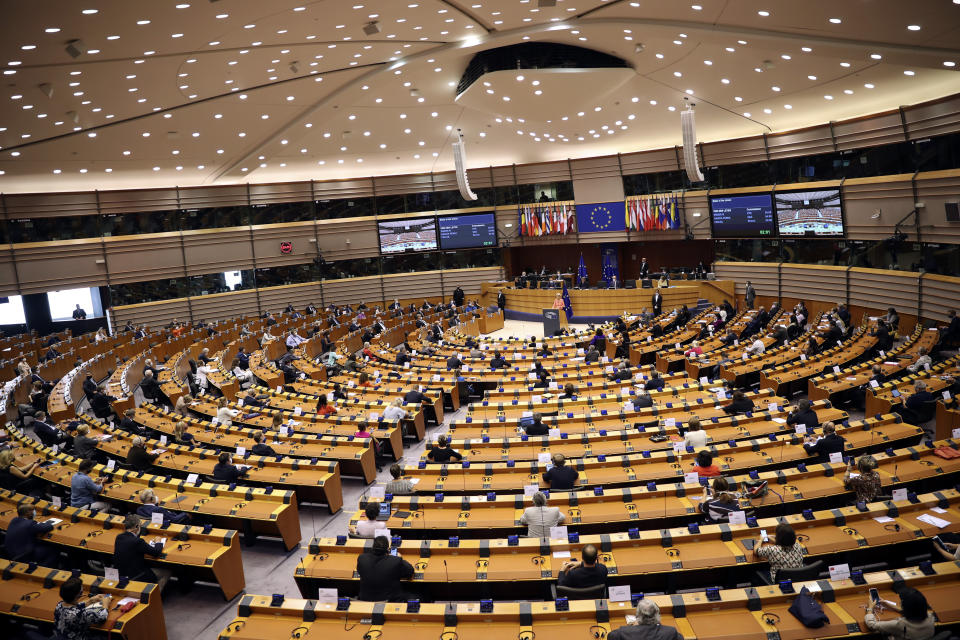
(603,216)
(567,305)
(582,271)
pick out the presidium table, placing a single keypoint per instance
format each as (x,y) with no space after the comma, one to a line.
(610,302)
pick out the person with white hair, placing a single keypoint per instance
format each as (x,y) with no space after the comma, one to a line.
(539,518)
(647,625)
(138,457)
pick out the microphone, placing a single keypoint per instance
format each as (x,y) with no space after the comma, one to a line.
(445,570)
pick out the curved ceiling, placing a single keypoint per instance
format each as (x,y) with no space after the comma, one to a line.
(214,92)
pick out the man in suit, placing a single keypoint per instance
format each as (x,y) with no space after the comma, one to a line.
(129,550)
(749,295)
(498,361)
(586,573)
(149,387)
(921,399)
(21,541)
(642,401)
(454,362)
(533,425)
(458,296)
(381,573)
(822,447)
(79,313)
(501,300)
(739,404)
(657,303)
(644,269)
(561,477)
(48,434)
(804,415)
(832,335)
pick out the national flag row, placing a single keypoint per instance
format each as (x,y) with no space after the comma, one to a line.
(654,212)
(554,218)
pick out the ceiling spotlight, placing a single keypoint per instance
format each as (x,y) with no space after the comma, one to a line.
(46,88)
(639,47)
(371,28)
(73,115)
(76,48)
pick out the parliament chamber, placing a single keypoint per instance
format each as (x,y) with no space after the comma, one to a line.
(373,320)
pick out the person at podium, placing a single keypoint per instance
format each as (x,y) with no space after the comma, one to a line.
(558,302)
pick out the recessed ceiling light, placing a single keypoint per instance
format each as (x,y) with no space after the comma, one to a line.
(677,74)
(811,77)
(869,85)
(785,56)
(89,12)
(828,97)
(746,114)
(876,56)
(913,27)
(221,16)
(143,22)
(725,80)
(29,47)
(183,5)
(763,13)
(768,111)
(849,92)
(788,106)
(845,65)
(52,30)
(806,49)
(696,7)
(909,73)
(708,62)
(835,20)
(775,88)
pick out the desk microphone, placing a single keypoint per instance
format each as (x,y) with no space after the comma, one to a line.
(446,572)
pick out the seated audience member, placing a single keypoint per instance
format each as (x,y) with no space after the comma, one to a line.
(646,625)
(73,617)
(48,434)
(84,446)
(399,486)
(21,541)
(533,425)
(718,503)
(181,435)
(804,416)
(381,574)
(225,471)
(324,409)
(621,373)
(592,356)
(921,400)
(756,348)
(866,481)
(129,424)
(703,465)
(642,401)
(129,550)
(84,491)
(922,362)
(569,392)
(138,457)
(260,447)
(395,411)
(783,553)
(695,436)
(586,572)
(182,407)
(498,361)
(916,621)
(739,404)
(561,477)
(825,444)
(369,525)
(442,452)
(150,504)
(539,518)
(100,403)
(149,387)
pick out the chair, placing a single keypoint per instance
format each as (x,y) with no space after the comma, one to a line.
(646,284)
(806,572)
(597,591)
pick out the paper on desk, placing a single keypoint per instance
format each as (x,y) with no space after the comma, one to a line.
(53,521)
(414,481)
(558,533)
(934,520)
(620,593)
(938,510)
(561,554)
(779,420)
(883,519)
(126,601)
(326,596)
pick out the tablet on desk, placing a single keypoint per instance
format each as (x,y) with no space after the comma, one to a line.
(401,514)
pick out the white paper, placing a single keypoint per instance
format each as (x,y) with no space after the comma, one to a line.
(938,510)
(678,447)
(946,395)
(279,388)
(836,370)
(677,346)
(526,414)
(955,433)
(779,420)
(535,399)
(883,519)
(414,481)
(669,422)
(156,518)
(57,502)
(620,593)
(561,554)
(163,440)
(326,596)
(738,517)
(874,384)
(240,402)
(772,407)
(111,574)
(934,520)
(553,433)
(378,493)
(839,572)
(111,463)
(836,457)
(192,478)
(691,477)
(704,380)
(241,451)
(801,429)
(530,489)
(543,458)
(297,411)
(899,495)
(803,357)
(558,533)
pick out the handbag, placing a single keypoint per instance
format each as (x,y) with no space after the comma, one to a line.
(808,611)
(947,453)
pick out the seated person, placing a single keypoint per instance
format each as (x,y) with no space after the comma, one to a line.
(804,415)
(646,626)
(138,457)
(48,434)
(150,505)
(561,477)
(149,386)
(442,452)
(21,541)
(84,491)
(592,356)
(704,466)
(695,436)
(826,444)
(260,448)
(73,617)
(324,409)
(369,525)
(916,622)
(585,573)
(533,425)
(498,361)
(225,471)
(642,401)
(539,518)
(569,392)
(922,362)
(129,550)
(866,481)
(414,396)
(921,400)
(783,553)
(381,573)
(399,486)
(655,383)
(128,424)
(739,404)
(84,446)
(180,434)
(621,373)
(718,503)
(395,411)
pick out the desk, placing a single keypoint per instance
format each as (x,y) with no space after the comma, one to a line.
(601,302)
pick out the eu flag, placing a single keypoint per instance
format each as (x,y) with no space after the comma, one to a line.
(567,305)
(603,216)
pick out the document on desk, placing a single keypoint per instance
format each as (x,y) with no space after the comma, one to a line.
(561,554)
(934,520)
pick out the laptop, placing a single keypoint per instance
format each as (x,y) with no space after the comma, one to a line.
(384,511)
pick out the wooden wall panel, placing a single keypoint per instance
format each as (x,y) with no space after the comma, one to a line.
(152,314)
(469,279)
(357,188)
(133,200)
(267,240)
(935,189)
(504,176)
(814,282)
(67,264)
(403,184)
(733,151)
(596,167)
(276,299)
(892,196)
(941,294)
(650,161)
(881,288)
(697,202)
(209,251)
(878,129)
(763,275)
(352,290)
(348,238)
(126,257)
(47,205)
(8,272)
(221,306)
(219,196)
(281,192)
(799,143)
(935,118)
(422,284)
(543,172)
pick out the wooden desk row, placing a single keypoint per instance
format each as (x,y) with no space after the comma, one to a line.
(29,592)
(788,378)
(651,466)
(515,567)
(643,506)
(212,555)
(255,511)
(316,482)
(940,377)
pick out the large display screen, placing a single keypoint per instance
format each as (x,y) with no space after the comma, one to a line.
(809,213)
(467,232)
(749,216)
(414,234)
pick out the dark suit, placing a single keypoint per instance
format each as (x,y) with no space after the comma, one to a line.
(657,302)
(825,446)
(21,541)
(806,418)
(739,406)
(380,577)
(226,473)
(261,449)
(128,552)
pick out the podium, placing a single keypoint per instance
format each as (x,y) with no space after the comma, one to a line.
(551,321)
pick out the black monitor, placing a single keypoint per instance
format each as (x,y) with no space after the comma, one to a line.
(742,216)
(817,213)
(469,231)
(412,234)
